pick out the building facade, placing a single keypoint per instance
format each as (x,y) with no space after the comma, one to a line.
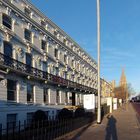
(41,67)
(106,89)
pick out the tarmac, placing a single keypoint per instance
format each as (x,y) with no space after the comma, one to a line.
(122,124)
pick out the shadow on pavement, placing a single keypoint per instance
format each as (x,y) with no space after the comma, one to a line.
(81,132)
(111,131)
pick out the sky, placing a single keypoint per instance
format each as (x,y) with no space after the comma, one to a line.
(120,32)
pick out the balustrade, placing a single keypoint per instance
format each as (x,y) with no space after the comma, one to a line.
(8,62)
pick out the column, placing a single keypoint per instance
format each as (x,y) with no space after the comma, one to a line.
(49,92)
(33,62)
(1,18)
(60,97)
(32,37)
(13,24)
(18,91)
(47,47)
(76,101)
(14,52)
(34,94)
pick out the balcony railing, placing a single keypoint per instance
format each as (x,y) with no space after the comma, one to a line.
(12,64)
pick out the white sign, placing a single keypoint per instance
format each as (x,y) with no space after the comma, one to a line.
(114,103)
(109,103)
(89,101)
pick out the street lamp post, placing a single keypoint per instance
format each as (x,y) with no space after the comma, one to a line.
(98,49)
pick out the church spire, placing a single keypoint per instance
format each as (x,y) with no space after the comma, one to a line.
(123,81)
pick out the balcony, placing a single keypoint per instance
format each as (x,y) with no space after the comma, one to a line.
(13,65)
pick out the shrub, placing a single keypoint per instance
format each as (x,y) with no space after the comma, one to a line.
(102,111)
(65,114)
(90,115)
(39,115)
(80,112)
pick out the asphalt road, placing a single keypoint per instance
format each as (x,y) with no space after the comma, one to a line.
(136,106)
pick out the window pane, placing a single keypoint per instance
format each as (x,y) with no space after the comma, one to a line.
(11,90)
(27,35)
(65,58)
(57,71)
(46,97)
(7,49)
(8,53)
(45,66)
(43,45)
(57,97)
(28,59)
(29,93)
(28,62)
(66,97)
(7,21)
(56,53)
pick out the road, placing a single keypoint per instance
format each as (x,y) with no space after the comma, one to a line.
(136,106)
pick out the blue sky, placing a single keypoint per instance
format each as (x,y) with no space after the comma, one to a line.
(120,32)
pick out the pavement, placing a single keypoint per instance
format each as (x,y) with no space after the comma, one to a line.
(122,124)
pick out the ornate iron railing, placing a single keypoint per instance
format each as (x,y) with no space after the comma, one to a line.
(12,64)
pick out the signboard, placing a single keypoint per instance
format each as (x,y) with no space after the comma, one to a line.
(114,103)
(109,103)
(89,102)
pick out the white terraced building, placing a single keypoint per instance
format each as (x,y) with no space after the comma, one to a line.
(41,67)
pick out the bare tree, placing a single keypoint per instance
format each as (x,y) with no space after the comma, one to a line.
(130,90)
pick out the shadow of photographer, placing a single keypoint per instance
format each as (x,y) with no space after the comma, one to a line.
(111,131)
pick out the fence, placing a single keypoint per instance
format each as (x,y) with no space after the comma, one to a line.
(43,130)
(104,110)
(47,130)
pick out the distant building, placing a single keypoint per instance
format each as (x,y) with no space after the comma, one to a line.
(120,92)
(106,88)
(123,81)
(113,84)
